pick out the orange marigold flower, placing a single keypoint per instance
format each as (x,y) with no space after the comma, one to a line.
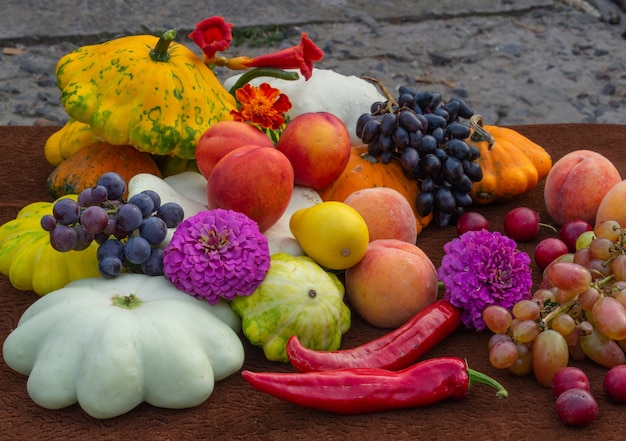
(263,105)
(212,35)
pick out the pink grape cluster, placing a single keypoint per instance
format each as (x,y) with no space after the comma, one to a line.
(128,232)
(578,312)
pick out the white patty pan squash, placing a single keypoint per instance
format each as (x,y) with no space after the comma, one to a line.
(297,297)
(110,344)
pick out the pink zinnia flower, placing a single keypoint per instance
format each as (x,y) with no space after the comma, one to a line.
(217,254)
(482,268)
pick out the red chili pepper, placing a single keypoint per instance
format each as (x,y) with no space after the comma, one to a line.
(396,350)
(368,390)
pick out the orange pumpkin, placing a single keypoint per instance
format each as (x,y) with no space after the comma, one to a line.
(365,171)
(511,163)
(83,168)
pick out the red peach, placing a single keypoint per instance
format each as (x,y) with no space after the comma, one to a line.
(256,181)
(393,282)
(224,137)
(576,185)
(386,212)
(318,146)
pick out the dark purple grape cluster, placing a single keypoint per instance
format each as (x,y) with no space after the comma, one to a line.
(128,232)
(426,135)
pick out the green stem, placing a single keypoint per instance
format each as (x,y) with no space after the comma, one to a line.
(130,301)
(160,50)
(479,377)
(251,74)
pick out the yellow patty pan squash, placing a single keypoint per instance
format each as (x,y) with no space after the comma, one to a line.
(149,92)
(111,344)
(297,297)
(29,260)
(69,139)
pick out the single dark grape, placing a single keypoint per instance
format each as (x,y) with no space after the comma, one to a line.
(48,222)
(66,211)
(94,219)
(406,100)
(137,250)
(474,171)
(377,106)
(400,137)
(63,238)
(444,200)
(85,198)
(111,225)
(465,111)
(461,199)
(423,99)
(430,165)
(415,140)
(154,265)
(386,143)
(428,145)
(428,184)
(464,184)
(440,135)
(110,267)
(370,131)
(111,248)
(452,107)
(425,203)
(153,229)
(83,238)
(386,157)
(457,130)
(171,213)
(99,194)
(129,217)
(441,154)
(458,148)
(114,183)
(452,169)
(409,121)
(388,123)
(360,123)
(434,121)
(144,202)
(409,159)
(440,111)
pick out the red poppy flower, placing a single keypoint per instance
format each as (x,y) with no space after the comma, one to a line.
(263,105)
(212,35)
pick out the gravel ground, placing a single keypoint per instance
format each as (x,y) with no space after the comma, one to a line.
(551,64)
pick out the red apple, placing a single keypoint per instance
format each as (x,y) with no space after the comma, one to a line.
(256,181)
(318,146)
(224,137)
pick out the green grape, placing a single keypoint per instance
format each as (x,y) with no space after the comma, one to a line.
(497,319)
(525,331)
(524,363)
(601,349)
(609,317)
(503,355)
(550,353)
(527,310)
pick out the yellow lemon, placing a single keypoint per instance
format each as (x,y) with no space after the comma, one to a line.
(332,233)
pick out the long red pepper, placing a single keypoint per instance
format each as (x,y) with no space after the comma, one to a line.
(395,350)
(367,390)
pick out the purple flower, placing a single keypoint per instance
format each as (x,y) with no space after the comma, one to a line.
(217,254)
(482,268)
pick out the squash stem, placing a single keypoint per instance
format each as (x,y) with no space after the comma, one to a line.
(160,50)
(130,301)
(479,133)
(251,74)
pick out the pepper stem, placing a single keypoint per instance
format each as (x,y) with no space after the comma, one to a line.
(160,50)
(479,377)
(251,74)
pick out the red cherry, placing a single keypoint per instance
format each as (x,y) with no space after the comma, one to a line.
(547,250)
(471,221)
(521,224)
(570,231)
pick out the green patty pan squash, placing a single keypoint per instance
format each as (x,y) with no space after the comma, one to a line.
(297,297)
(149,92)
(30,262)
(111,344)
